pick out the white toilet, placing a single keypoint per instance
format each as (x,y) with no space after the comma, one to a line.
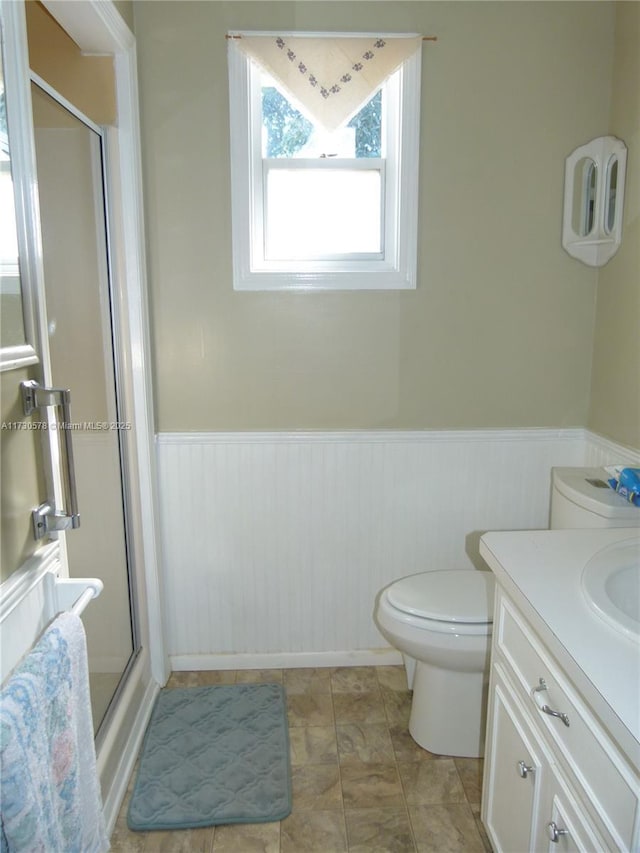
(441,621)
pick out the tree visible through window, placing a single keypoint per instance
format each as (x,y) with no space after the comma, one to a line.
(287,131)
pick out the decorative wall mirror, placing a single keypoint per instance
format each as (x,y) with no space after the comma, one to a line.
(17,234)
(593,200)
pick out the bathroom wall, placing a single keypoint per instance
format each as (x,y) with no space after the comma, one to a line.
(314,446)
(87,81)
(498,332)
(615,382)
(125,8)
(22,486)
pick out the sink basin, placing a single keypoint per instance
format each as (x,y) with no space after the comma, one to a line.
(611,584)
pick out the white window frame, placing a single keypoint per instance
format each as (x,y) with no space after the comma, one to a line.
(395,269)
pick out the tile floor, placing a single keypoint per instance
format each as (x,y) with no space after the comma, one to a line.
(360,783)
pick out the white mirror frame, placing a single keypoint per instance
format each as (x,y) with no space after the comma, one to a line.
(601,243)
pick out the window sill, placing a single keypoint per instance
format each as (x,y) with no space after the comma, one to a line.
(373,278)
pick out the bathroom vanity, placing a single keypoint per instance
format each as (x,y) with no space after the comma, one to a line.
(562,754)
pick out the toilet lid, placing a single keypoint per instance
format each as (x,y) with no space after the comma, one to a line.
(447,596)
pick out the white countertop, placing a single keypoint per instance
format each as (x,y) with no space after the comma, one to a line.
(542,570)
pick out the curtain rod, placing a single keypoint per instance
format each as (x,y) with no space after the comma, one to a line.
(424,38)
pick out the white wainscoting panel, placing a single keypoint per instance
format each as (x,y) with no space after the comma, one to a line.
(25,609)
(277,543)
(602,451)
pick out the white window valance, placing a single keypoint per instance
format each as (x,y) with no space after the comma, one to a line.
(330,77)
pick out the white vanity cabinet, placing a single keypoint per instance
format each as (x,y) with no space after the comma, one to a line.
(555,778)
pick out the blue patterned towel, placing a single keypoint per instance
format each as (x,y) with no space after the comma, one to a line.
(49,784)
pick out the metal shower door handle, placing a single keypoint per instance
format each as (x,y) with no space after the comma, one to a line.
(46,518)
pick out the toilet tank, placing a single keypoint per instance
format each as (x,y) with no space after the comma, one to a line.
(581,497)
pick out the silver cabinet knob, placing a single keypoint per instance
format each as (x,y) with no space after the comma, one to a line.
(555,832)
(524,770)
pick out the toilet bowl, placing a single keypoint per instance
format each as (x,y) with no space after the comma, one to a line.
(442,620)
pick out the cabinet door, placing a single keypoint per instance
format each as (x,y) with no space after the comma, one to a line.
(514,776)
(562,825)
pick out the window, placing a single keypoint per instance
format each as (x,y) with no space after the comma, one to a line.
(316,208)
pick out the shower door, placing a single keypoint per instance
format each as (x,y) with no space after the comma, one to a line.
(82,337)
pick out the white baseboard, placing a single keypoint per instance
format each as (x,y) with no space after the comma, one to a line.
(286,660)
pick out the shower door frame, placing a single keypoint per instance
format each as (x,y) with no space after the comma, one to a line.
(97,27)
(109,318)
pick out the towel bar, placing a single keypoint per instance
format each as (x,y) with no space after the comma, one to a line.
(71,593)
(30,609)
(82,602)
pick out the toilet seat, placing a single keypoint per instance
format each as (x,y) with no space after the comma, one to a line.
(463,597)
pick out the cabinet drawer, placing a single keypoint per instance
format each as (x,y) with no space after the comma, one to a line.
(562,813)
(606,778)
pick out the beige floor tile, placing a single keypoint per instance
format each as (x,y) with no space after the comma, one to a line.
(371,786)
(247,838)
(405,747)
(355,772)
(470,772)
(202,678)
(379,831)
(364,742)
(179,841)
(431,782)
(445,829)
(393,677)
(354,679)
(313,745)
(254,676)
(397,706)
(358,708)
(307,680)
(316,787)
(314,832)
(310,709)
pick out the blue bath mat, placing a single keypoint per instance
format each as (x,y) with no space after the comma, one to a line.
(214,755)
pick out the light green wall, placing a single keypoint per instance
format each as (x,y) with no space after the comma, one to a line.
(125,7)
(22,485)
(615,388)
(499,330)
